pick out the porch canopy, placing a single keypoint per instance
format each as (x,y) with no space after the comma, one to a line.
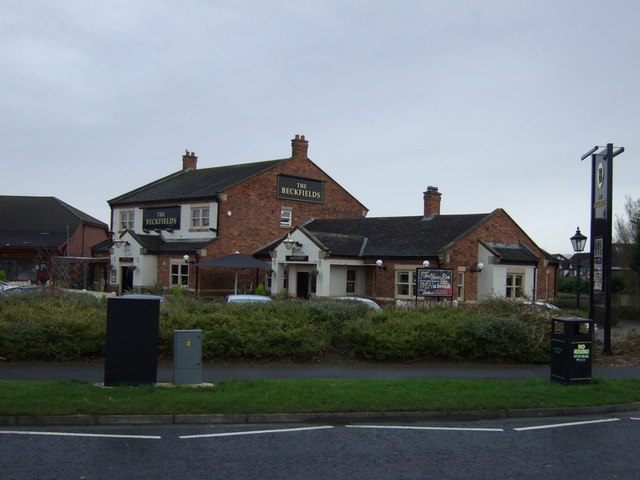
(236,261)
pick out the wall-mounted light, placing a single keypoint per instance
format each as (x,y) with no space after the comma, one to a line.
(290,243)
(477,268)
(186,258)
(380,265)
(118,242)
(426,264)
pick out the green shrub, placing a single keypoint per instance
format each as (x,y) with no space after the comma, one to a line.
(62,327)
(568,285)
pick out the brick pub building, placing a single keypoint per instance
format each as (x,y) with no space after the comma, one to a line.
(478,256)
(207,213)
(316,236)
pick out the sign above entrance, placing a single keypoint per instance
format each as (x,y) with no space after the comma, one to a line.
(161,218)
(301,189)
(297,258)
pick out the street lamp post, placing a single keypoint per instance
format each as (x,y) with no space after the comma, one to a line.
(578,242)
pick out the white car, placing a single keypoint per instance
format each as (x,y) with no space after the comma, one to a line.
(4,286)
(542,305)
(245,298)
(369,303)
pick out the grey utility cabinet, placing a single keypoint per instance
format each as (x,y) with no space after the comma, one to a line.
(187,357)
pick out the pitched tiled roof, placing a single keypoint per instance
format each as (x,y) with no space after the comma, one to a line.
(193,184)
(393,236)
(512,253)
(44,222)
(156,244)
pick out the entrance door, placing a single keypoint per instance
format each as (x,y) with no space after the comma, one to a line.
(126,279)
(302,284)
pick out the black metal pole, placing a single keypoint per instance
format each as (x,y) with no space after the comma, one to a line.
(578,286)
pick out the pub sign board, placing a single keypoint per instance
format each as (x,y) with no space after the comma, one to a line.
(301,189)
(161,218)
(434,282)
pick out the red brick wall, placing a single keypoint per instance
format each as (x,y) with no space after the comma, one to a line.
(255,218)
(499,228)
(84,238)
(255,209)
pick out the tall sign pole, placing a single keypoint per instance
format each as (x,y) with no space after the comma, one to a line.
(601,237)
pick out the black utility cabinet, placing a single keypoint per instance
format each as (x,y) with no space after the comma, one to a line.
(132,341)
(571,350)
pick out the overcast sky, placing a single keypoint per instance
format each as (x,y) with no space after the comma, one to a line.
(491,101)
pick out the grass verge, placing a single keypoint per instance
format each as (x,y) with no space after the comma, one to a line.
(306,396)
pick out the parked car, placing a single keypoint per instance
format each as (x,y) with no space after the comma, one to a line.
(5,286)
(542,305)
(18,289)
(245,298)
(366,301)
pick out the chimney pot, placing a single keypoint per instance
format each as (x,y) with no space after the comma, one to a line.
(299,147)
(189,161)
(432,200)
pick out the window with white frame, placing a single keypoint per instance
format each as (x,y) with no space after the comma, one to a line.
(405,283)
(126,220)
(200,218)
(460,289)
(180,274)
(286,217)
(351,281)
(515,285)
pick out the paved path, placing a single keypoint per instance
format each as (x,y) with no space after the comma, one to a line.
(94,372)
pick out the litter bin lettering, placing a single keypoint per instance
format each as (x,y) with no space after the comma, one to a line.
(571,349)
(131,356)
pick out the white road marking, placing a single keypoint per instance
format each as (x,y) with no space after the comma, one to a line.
(254,432)
(69,434)
(570,424)
(455,429)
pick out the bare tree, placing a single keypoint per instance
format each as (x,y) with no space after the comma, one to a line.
(627,226)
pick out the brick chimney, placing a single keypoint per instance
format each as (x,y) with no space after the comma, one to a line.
(432,201)
(299,147)
(189,161)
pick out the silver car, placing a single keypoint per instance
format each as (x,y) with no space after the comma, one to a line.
(245,298)
(369,303)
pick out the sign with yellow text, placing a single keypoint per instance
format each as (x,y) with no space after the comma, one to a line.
(301,189)
(161,218)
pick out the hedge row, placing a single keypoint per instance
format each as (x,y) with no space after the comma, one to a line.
(72,326)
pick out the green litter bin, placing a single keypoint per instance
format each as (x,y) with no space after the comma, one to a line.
(571,350)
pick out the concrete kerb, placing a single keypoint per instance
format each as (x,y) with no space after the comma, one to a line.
(331,418)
